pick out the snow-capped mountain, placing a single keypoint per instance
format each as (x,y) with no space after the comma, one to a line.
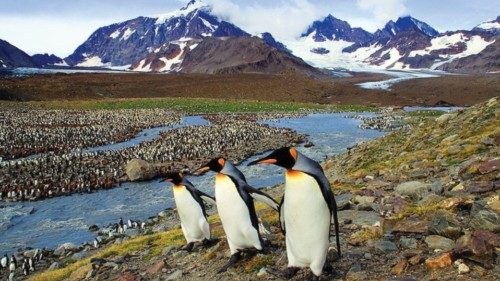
(156,43)
(331,28)
(489,26)
(134,40)
(12,57)
(406,43)
(163,42)
(46,60)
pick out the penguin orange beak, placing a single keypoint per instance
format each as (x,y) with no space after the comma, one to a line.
(263,161)
(165,180)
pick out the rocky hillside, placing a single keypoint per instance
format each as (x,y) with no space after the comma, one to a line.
(44,60)
(421,203)
(219,56)
(12,57)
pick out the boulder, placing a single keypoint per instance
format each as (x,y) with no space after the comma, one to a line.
(445,225)
(64,248)
(384,246)
(343,201)
(484,218)
(478,246)
(139,170)
(408,242)
(362,218)
(439,262)
(439,242)
(410,226)
(415,190)
(176,275)
(80,255)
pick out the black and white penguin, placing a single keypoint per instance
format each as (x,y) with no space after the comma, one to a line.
(191,209)
(31,264)
(306,210)
(13,263)
(4,261)
(236,208)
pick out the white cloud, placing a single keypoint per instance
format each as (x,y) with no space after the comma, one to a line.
(286,20)
(383,10)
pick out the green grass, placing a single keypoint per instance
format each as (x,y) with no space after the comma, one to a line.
(190,105)
(426,113)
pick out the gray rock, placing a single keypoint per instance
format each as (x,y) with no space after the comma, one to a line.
(384,246)
(64,248)
(167,250)
(367,206)
(363,218)
(138,170)
(132,232)
(30,253)
(175,275)
(413,189)
(355,273)
(162,214)
(439,242)
(359,199)
(408,242)
(80,255)
(54,265)
(482,217)
(445,225)
(343,201)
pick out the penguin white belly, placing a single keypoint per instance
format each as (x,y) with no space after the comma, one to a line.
(307,222)
(235,216)
(193,223)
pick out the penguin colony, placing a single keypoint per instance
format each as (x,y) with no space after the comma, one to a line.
(306,211)
(58,174)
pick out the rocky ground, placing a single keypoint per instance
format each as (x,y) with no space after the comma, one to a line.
(421,203)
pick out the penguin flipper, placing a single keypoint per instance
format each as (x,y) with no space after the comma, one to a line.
(282,215)
(262,197)
(207,198)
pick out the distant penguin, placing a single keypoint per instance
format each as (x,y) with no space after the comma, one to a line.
(31,264)
(236,208)
(13,263)
(4,261)
(129,223)
(96,243)
(306,210)
(191,209)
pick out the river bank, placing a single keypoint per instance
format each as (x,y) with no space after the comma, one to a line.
(405,213)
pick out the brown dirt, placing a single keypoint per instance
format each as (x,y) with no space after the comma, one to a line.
(457,90)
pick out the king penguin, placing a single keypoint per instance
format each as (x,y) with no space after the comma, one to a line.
(236,208)
(191,210)
(306,210)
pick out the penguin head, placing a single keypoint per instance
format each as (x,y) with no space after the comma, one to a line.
(174,177)
(215,165)
(284,157)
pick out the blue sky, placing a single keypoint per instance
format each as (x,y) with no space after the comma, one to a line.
(59,26)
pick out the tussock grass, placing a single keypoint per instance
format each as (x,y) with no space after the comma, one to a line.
(190,105)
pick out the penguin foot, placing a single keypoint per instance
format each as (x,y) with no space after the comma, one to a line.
(286,274)
(232,261)
(189,247)
(328,269)
(210,242)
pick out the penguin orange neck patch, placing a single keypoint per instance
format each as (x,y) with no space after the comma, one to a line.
(293,173)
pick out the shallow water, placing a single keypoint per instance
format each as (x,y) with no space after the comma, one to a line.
(53,221)
(398,77)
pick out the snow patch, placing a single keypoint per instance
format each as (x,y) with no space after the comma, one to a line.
(161,19)
(335,58)
(489,25)
(94,61)
(207,24)
(115,34)
(128,32)
(63,63)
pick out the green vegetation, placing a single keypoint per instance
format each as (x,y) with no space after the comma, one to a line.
(190,105)
(426,113)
